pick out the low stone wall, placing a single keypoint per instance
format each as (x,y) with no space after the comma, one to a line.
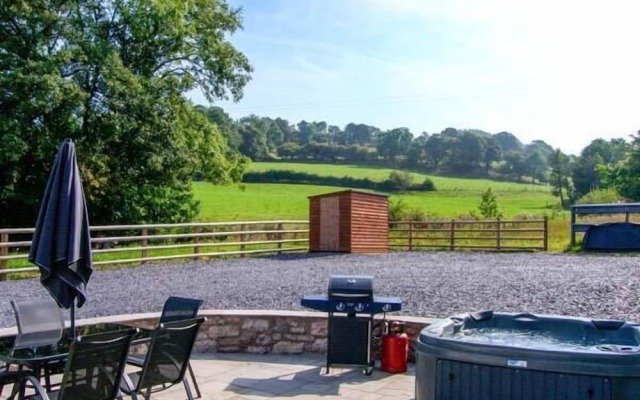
(282,332)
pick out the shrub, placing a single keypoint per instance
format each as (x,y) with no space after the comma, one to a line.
(598,196)
(489,207)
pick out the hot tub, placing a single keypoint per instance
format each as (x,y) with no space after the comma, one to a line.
(500,356)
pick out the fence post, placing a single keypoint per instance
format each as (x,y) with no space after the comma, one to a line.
(498,233)
(573,223)
(242,239)
(280,237)
(4,251)
(410,235)
(546,234)
(453,235)
(196,239)
(145,242)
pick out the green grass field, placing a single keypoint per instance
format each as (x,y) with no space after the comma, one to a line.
(378,174)
(454,196)
(263,201)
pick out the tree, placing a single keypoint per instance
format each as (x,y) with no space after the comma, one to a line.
(625,176)
(536,166)
(466,152)
(225,124)
(112,76)
(597,155)
(254,142)
(436,150)
(489,207)
(359,134)
(514,165)
(508,142)
(559,177)
(416,155)
(492,153)
(393,143)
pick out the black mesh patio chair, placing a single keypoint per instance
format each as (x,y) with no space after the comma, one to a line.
(166,361)
(93,370)
(179,308)
(176,309)
(40,323)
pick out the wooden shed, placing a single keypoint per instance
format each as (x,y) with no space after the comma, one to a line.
(349,221)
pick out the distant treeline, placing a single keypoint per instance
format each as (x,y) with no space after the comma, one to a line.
(397,182)
(457,152)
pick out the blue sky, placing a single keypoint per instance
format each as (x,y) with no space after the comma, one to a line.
(566,72)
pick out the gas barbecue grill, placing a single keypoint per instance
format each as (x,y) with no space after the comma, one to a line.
(351,305)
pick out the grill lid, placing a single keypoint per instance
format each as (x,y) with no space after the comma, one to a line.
(351,288)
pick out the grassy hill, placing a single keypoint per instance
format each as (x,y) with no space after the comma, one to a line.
(378,174)
(455,196)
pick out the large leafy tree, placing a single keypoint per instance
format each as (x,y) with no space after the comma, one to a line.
(112,74)
(625,175)
(597,155)
(394,143)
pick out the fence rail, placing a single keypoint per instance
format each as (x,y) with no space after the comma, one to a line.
(129,244)
(460,234)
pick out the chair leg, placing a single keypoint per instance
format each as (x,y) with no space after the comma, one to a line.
(193,379)
(187,388)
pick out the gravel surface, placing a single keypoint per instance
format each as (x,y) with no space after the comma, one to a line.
(433,284)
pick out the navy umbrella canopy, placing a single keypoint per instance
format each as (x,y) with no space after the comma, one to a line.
(61,245)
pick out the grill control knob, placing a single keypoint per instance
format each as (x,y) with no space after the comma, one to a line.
(359,307)
(386,307)
(340,306)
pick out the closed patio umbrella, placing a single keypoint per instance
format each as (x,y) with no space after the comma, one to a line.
(61,245)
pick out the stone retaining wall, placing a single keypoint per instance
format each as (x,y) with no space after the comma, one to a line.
(284,332)
(269,331)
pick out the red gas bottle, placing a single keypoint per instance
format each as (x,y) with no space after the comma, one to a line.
(395,349)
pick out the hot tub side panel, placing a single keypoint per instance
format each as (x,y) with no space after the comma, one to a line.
(476,374)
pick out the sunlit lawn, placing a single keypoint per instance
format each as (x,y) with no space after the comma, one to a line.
(263,201)
(379,174)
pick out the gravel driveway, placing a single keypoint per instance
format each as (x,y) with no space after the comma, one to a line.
(434,284)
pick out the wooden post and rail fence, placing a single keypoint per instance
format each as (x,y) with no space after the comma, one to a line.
(138,244)
(499,235)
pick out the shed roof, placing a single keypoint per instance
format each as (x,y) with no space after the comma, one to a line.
(348,191)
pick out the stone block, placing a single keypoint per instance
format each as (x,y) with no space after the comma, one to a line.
(297,329)
(256,325)
(319,346)
(220,331)
(319,328)
(299,338)
(263,340)
(257,349)
(281,327)
(288,347)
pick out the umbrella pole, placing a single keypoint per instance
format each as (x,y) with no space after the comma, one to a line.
(73,320)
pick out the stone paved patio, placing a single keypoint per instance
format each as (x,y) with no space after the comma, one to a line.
(240,376)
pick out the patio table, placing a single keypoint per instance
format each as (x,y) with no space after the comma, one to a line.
(35,358)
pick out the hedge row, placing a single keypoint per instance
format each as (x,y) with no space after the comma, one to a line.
(286,176)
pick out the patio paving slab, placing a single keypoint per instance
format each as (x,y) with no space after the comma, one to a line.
(239,376)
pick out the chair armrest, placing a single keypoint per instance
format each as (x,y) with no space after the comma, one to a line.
(137,361)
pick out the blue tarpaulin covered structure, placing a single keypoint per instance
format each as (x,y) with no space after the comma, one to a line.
(615,236)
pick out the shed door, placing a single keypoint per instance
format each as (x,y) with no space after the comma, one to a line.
(330,224)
